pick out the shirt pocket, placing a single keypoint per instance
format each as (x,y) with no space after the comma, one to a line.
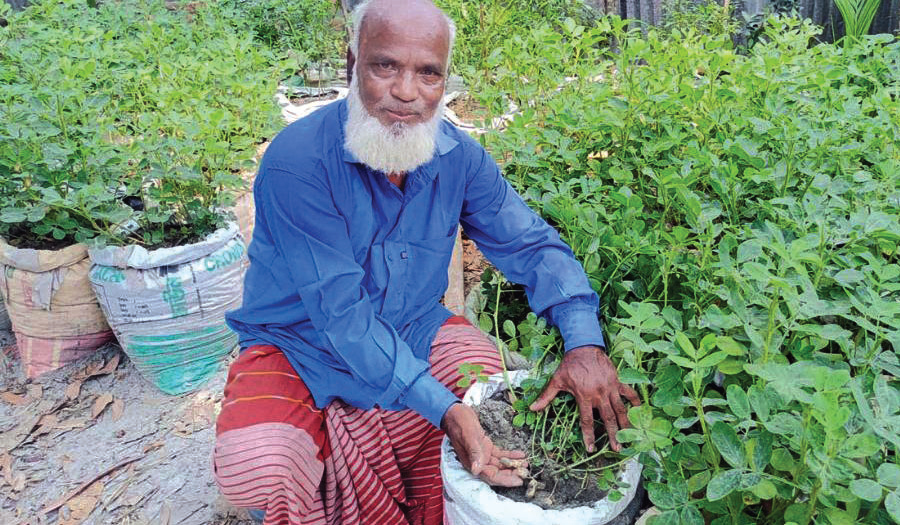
(427,264)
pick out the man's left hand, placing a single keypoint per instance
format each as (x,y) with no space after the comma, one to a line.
(588,374)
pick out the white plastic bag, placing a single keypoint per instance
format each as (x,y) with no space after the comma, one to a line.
(470,501)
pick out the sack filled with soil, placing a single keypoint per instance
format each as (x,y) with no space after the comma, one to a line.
(548,498)
(167,306)
(53,312)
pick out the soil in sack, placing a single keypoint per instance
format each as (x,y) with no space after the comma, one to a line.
(167,306)
(560,490)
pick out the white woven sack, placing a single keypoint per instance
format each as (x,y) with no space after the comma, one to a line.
(470,501)
(167,306)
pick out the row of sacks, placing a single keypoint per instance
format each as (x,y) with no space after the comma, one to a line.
(166,306)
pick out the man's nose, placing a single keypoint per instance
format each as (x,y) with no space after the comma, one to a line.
(404,87)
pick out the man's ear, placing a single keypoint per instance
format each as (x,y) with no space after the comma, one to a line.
(351,61)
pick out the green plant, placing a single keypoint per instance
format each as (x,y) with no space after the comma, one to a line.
(857,15)
(309,33)
(738,215)
(126,123)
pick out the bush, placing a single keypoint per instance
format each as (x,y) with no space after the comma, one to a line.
(127,112)
(739,216)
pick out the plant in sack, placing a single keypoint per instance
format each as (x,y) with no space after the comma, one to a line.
(564,483)
(55,171)
(166,278)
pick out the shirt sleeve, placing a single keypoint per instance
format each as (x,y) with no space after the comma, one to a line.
(529,252)
(311,237)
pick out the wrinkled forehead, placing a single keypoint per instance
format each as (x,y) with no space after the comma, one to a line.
(403,32)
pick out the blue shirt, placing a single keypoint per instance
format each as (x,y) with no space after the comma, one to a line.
(347,271)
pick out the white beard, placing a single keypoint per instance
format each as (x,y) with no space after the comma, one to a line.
(399,148)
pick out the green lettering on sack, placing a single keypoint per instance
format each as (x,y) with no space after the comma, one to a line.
(217,261)
(108,274)
(174,296)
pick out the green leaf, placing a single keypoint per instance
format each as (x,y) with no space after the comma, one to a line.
(889,475)
(860,446)
(661,496)
(723,484)
(730,346)
(892,504)
(866,489)
(485,323)
(712,360)
(782,460)
(509,328)
(691,516)
(738,401)
(728,444)
(630,376)
(849,278)
(670,517)
(685,344)
(765,489)
(761,450)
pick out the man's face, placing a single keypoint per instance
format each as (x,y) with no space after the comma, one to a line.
(401,70)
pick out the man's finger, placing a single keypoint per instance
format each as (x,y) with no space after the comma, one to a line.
(546,397)
(630,394)
(609,421)
(510,454)
(586,418)
(501,477)
(619,409)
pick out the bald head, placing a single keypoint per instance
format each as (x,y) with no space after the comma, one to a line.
(416,18)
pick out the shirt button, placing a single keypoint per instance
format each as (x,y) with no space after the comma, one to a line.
(404,255)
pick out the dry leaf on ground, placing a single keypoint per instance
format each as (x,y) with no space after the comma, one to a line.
(200,414)
(73,389)
(101,403)
(81,506)
(12,399)
(118,408)
(110,366)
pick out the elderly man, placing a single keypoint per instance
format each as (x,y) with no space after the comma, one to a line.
(335,409)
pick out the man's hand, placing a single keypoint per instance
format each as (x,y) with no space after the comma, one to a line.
(476,451)
(588,374)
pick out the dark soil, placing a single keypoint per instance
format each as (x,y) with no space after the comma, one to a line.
(559,492)
(28,241)
(474,265)
(467,109)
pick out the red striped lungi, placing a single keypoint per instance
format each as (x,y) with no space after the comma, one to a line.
(343,466)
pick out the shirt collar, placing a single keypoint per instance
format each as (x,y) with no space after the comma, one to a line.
(444,142)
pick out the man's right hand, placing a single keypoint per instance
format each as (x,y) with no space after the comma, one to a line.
(476,451)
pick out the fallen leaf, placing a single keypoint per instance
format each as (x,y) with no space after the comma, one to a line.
(35,392)
(100,404)
(198,415)
(110,366)
(118,408)
(72,423)
(46,424)
(12,399)
(73,389)
(165,514)
(153,446)
(81,506)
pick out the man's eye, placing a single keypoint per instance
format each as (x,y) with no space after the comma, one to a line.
(385,66)
(431,75)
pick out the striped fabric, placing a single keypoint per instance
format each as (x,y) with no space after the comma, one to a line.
(339,466)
